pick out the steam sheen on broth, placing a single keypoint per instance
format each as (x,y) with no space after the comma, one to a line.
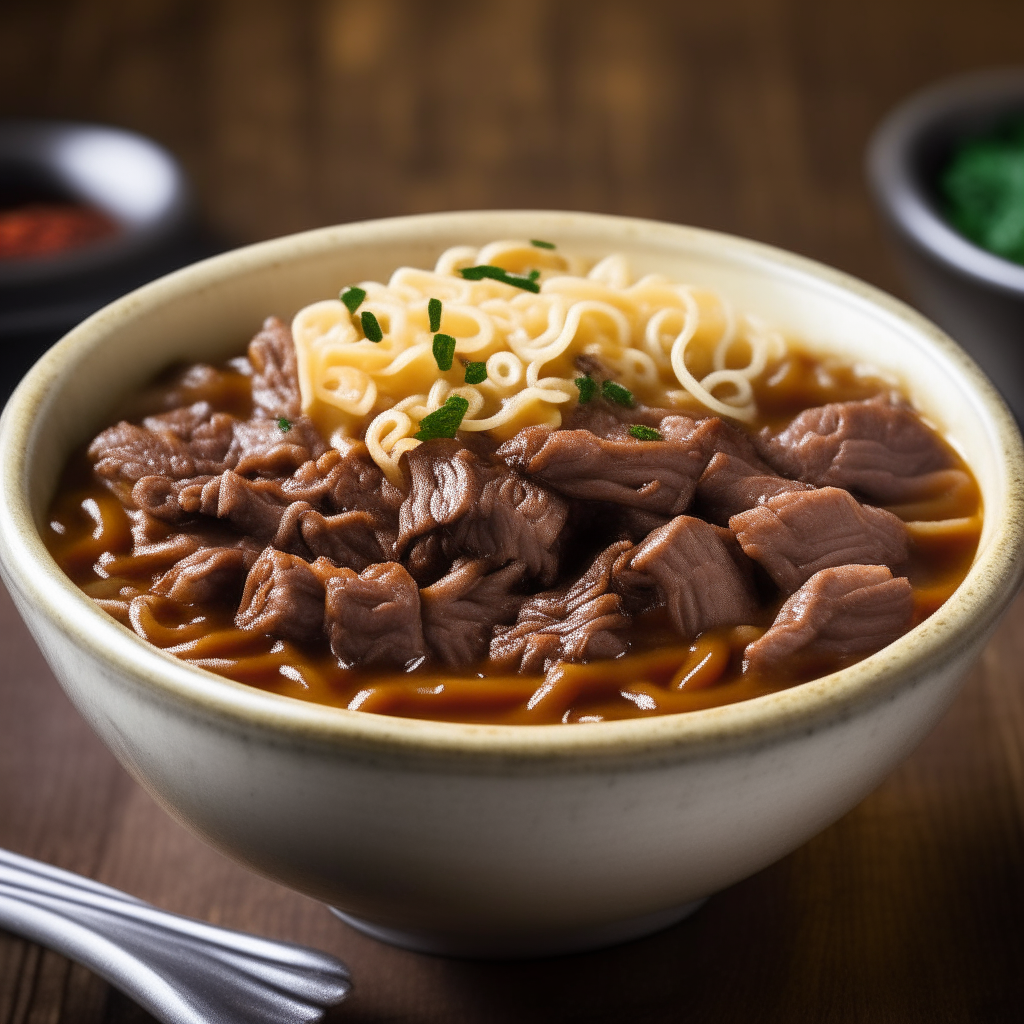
(646,504)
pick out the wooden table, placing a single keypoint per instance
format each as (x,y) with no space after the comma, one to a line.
(744,115)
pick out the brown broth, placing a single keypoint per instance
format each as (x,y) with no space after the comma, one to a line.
(89,535)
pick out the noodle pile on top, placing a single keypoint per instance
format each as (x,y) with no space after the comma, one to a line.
(669,344)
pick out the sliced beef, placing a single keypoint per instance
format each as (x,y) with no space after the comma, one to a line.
(841,612)
(481,509)
(656,476)
(263,448)
(878,448)
(275,376)
(580,622)
(373,617)
(697,570)
(357,482)
(283,598)
(608,420)
(351,539)
(796,534)
(461,609)
(730,485)
(207,574)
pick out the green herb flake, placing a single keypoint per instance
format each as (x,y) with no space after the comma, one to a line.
(371,328)
(642,433)
(617,393)
(528,284)
(353,298)
(284,424)
(443,422)
(444,351)
(476,373)
(434,312)
(541,244)
(534,274)
(587,387)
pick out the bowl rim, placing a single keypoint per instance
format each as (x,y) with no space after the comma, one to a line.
(897,188)
(30,571)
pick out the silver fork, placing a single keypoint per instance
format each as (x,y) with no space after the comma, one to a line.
(181,970)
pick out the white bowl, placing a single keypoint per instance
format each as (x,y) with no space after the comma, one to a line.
(497,840)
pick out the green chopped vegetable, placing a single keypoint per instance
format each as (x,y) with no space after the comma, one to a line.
(434,312)
(444,351)
(533,275)
(284,423)
(983,188)
(476,373)
(642,433)
(617,393)
(528,284)
(443,422)
(541,244)
(352,297)
(587,387)
(371,328)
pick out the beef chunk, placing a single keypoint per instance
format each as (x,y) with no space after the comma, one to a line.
(208,574)
(581,622)
(263,449)
(373,618)
(283,598)
(697,570)
(796,534)
(125,453)
(461,610)
(840,612)
(610,421)
(357,482)
(656,476)
(275,377)
(730,485)
(351,539)
(481,509)
(878,448)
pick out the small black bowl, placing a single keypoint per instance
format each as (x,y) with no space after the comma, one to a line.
(130,179)
(976,296)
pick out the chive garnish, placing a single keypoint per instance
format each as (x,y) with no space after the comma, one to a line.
(587,387)
(434,312)
(533,275)
(443,422)
(370,326)
(352,297)
(476,373)
(528,284)
(284,423)
(541,244)
(617,393)
(444,351)
(642,433)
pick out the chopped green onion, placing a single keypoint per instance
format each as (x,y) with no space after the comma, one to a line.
(500,274)
(476,373)
(443,422)
(434,312)
(284,423)
(587,386)
(370,326)
(352,297)
(642,433)
(617,393)
(444,351)
(541,244)
(533,275)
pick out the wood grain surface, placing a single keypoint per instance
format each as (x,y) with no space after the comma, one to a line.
(749,116)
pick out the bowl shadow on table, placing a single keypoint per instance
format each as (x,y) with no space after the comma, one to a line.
(907,909)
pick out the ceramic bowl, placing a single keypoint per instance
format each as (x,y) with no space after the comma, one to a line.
(497,840)
(976,296)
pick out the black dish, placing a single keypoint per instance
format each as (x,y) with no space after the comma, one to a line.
(131,179)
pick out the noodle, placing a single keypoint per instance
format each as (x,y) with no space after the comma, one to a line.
(664,341)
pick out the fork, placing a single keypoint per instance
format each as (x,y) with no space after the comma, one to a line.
(181,970)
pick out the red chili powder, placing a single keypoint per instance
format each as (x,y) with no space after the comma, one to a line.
(43,229)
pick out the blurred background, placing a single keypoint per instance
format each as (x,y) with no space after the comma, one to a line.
(746,116)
